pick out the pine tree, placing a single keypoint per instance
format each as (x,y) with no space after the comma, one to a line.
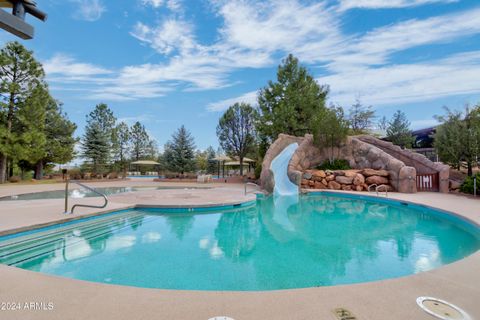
(290,104)
(236,131)
(179,154)
(96,146)
(46,133)
(20,73)
(140,141)
(398,131)
(99,136)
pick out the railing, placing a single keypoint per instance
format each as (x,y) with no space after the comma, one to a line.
(83,205)
(250,184)
(427,182)
(377,189)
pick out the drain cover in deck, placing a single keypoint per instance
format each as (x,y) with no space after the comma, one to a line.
(442,309)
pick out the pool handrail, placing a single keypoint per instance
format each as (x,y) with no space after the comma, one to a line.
(83,205)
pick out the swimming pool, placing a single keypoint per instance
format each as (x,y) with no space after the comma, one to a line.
(84,193)
(274,243)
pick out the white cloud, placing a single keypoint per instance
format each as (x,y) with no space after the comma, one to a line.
(254,34)
(170,35)
(68,66)
(380,4)
(89,10)
(173,5)
(376,46)
(249,97)
(402,83)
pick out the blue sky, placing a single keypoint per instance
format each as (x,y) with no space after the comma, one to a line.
(173,62)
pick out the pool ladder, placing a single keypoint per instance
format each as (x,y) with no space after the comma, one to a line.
(377,189)
(83,205)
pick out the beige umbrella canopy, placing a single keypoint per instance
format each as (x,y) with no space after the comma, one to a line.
(145,163)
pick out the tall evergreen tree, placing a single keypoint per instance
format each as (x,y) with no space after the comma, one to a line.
(179,154)
(20,73)
(236,131)
(290,104)
(99,136)
(398,130)
(96,146)
(47,134)
(140,141)
(61,142)
(360,118)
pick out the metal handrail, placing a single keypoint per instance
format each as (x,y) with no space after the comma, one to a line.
(372,185)
(252,184)
(386,190)
(83,205)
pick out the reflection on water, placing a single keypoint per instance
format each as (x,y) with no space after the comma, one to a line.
(285,242)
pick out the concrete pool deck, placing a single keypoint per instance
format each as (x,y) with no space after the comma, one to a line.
(458,283)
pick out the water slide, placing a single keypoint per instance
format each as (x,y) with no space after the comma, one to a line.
(279,167)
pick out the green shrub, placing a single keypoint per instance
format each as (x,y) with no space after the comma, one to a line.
(467,185)
(337,164)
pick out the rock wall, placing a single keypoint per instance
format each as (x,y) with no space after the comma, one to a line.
(360,155)
(421,163)
(347,180)
(267,180)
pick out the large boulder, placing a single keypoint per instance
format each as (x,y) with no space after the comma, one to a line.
(334,185)
(319,185)
(319,174)
(307,175)
(344,179)
(371,172)
(351,173)
(359,180)
(330,177)
(376,180)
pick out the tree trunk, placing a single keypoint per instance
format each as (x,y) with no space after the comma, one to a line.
(3,168)
(469,169)
(241,166)
(39,170)
(10,168)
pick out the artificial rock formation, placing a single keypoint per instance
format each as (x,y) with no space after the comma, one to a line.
(360,155)
(378,160)
(351,180)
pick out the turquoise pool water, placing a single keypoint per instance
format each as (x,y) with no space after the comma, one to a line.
(275,243)
(84,193)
